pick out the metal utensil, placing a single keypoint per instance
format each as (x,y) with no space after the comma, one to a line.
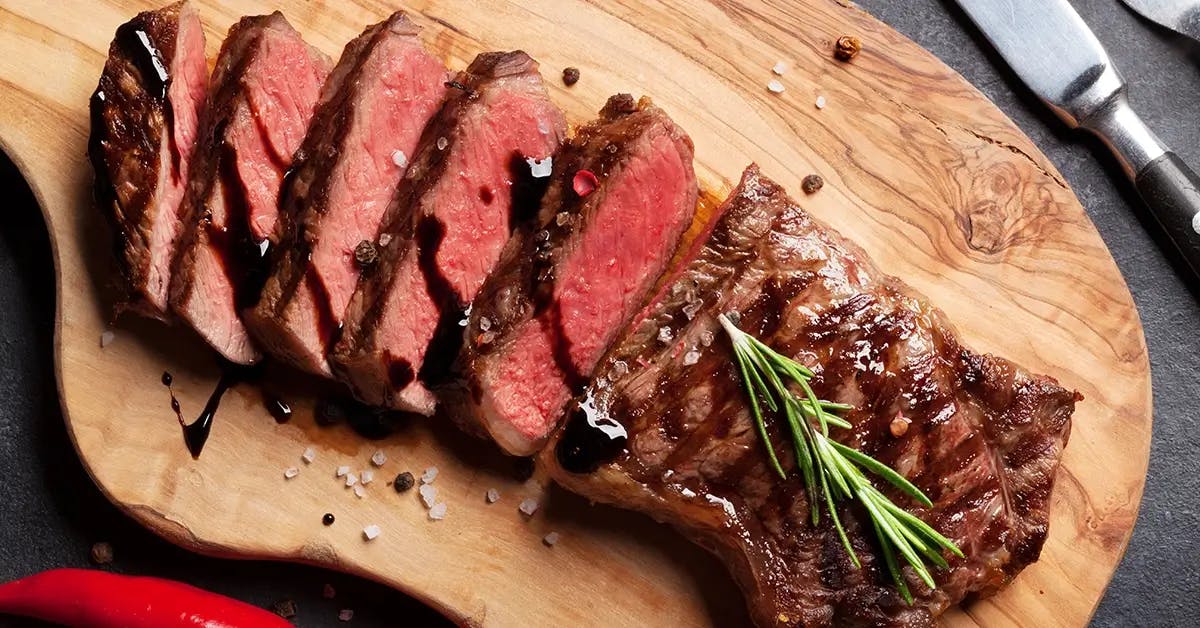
(1181,16)
(1055,53)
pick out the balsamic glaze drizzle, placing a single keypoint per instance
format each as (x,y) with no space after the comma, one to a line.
(589,439)
(195,434)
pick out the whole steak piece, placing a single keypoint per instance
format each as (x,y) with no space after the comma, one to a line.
(373,109)
(265,88)
(622,194)
(469,185)
(144,123)
(666,427)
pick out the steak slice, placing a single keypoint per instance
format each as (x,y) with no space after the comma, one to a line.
(666,428)
(468,187)
(144,124)
(567,287)
(265,87)
(373,108)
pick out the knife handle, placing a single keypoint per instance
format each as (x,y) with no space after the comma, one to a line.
(1172,193)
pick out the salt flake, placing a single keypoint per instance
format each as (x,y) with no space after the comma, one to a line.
(779,68)
(291,472)
(550,539)
(428,495)
(492,496)
(691,357)
(820,102)
(399,158)
(438,512)
(360,492)
(775,87)
(366,476)
(378,458)
(442,143)
(528,506)
(540,168)
(106,338)
(342,471)
(371,532)
(429,476)
(351,479)
(309,455)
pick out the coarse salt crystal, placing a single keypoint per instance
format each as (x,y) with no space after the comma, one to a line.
(291,472)
(485,323)
(345,614)
(428,495)
(309,455)
(820,102)
(492,496)
(342,471)
(351,479)
(370,532)
(775,86)
(664,334)
(540,168)
(328,592)
(620,367)
(779,68)
(707,337)
(106,338)
(562,218)
(378,458)
(528,506)
(550,539)
(385,239)
(543,127)
(360,492)
(366,476)
(429,476)
(691,357)
(442,143)
(438,512)
(399,158)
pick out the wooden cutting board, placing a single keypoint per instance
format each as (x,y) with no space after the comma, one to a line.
(921,169)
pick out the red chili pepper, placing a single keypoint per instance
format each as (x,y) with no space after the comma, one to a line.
(97,599)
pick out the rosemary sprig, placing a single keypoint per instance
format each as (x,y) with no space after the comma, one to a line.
(831,471)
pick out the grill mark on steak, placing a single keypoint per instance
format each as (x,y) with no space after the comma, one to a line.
(243,259)
(984,440)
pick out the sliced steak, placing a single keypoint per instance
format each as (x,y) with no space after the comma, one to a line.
(265,87)
(144,125)
(622,194)
(666,428)
(373,109)
(467,188)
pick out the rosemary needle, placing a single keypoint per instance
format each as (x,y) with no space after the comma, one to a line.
(831,471)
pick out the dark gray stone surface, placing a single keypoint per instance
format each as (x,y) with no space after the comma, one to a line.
(52,513)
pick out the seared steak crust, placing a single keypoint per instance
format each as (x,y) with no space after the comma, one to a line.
(373,108)
(144,116)
(466,189)
(568,284)
(265,86)
(984,440)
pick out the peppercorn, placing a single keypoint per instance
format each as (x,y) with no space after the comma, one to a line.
(327,519)
(285,609)
(570,76)
(846,47)
(403,482)
(812,183)
(102,553)
(366,254)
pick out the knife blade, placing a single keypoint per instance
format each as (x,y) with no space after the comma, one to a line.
(1181,16)
(1058,57)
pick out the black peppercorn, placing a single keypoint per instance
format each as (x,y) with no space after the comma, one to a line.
(365,254)
(570,76)
(812,183)
(403,482)
(327,519)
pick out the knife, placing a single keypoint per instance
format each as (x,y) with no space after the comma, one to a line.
(1055,53)
(1181,16)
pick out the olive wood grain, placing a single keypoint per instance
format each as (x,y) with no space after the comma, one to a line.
(920,169)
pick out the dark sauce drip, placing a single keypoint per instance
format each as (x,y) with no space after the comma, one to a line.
(526,192)
(589,439)
(244,260)
(279,409)
(448,337)
(486,195)
(195,434)
(552,324)
(329,329)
